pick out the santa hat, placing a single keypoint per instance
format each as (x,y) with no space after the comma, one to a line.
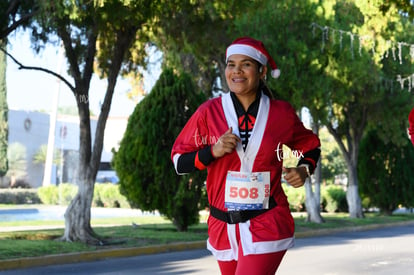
(254,49)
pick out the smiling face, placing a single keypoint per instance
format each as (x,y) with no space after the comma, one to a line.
(243,75)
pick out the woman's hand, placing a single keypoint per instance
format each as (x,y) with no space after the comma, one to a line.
(225,144)
(295,176)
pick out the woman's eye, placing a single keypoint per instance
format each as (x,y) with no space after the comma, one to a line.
(244,65)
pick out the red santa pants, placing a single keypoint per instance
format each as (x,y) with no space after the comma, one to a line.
(259,264)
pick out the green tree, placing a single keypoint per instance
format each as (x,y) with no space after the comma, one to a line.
(193,35)
(334,70)
(13,14)
(283,26)
(385,173)
(40,156)
(3,111)
(16,155)
(143,163)
(96,36)
(355,67)
(333,163)
(405,6)
(183,33)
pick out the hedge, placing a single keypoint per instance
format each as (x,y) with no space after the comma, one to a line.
(108,195)
(333,198)
(19,196)
(105,195)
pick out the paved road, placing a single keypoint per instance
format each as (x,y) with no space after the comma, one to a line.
(380,252)
(387,251)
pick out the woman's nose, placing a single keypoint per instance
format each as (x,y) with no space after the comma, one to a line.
(237,68)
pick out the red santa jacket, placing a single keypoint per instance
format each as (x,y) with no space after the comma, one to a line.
(411,128)
(276,124)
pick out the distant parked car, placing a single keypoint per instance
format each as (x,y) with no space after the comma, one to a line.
(107,176)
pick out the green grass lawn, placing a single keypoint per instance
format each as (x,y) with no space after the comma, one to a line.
(151,230)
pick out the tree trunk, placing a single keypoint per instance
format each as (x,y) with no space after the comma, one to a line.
(78,217)
(78,213)
(313,198)
(352,194)
(350,153)
(4,131)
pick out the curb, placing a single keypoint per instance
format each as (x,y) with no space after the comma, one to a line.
(137,251)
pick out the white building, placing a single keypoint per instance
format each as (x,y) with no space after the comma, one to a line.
(31,129)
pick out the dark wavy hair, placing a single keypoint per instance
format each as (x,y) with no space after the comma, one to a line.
(263,87)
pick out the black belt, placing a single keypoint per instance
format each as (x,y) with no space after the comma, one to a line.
(233,217)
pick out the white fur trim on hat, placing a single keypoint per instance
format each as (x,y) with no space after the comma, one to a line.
(246,50)
(254,49)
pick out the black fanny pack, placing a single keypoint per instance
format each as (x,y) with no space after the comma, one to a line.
(233,217)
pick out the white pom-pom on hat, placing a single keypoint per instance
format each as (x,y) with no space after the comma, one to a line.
(254,49)
(275,73)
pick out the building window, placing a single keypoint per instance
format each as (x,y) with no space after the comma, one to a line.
(27,124)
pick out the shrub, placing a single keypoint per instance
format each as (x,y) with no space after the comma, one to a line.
(385,171)
(61,194)
(334,198)
(366,203)
(296,197)
(109,195)
(67,192)
(48,194)
(146,174)
(104,195)
(21,183)
(97,201)
(19,196)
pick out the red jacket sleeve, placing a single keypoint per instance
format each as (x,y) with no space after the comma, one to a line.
(192,139)
(305,141)
(411,127)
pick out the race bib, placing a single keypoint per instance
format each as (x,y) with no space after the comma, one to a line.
(247,191)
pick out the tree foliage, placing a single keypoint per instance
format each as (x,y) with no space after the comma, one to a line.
(193,35)
(4,128)
(15,14)
(385,173)
(360,79)
(40,156)
(332,161)
(404,6)
(95,36)
(332,70)
(284,27)
(16,154)
(143,163)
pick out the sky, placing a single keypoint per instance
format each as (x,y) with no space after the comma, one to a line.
(32,90)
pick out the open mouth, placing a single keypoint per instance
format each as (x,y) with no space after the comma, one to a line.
(238,80)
